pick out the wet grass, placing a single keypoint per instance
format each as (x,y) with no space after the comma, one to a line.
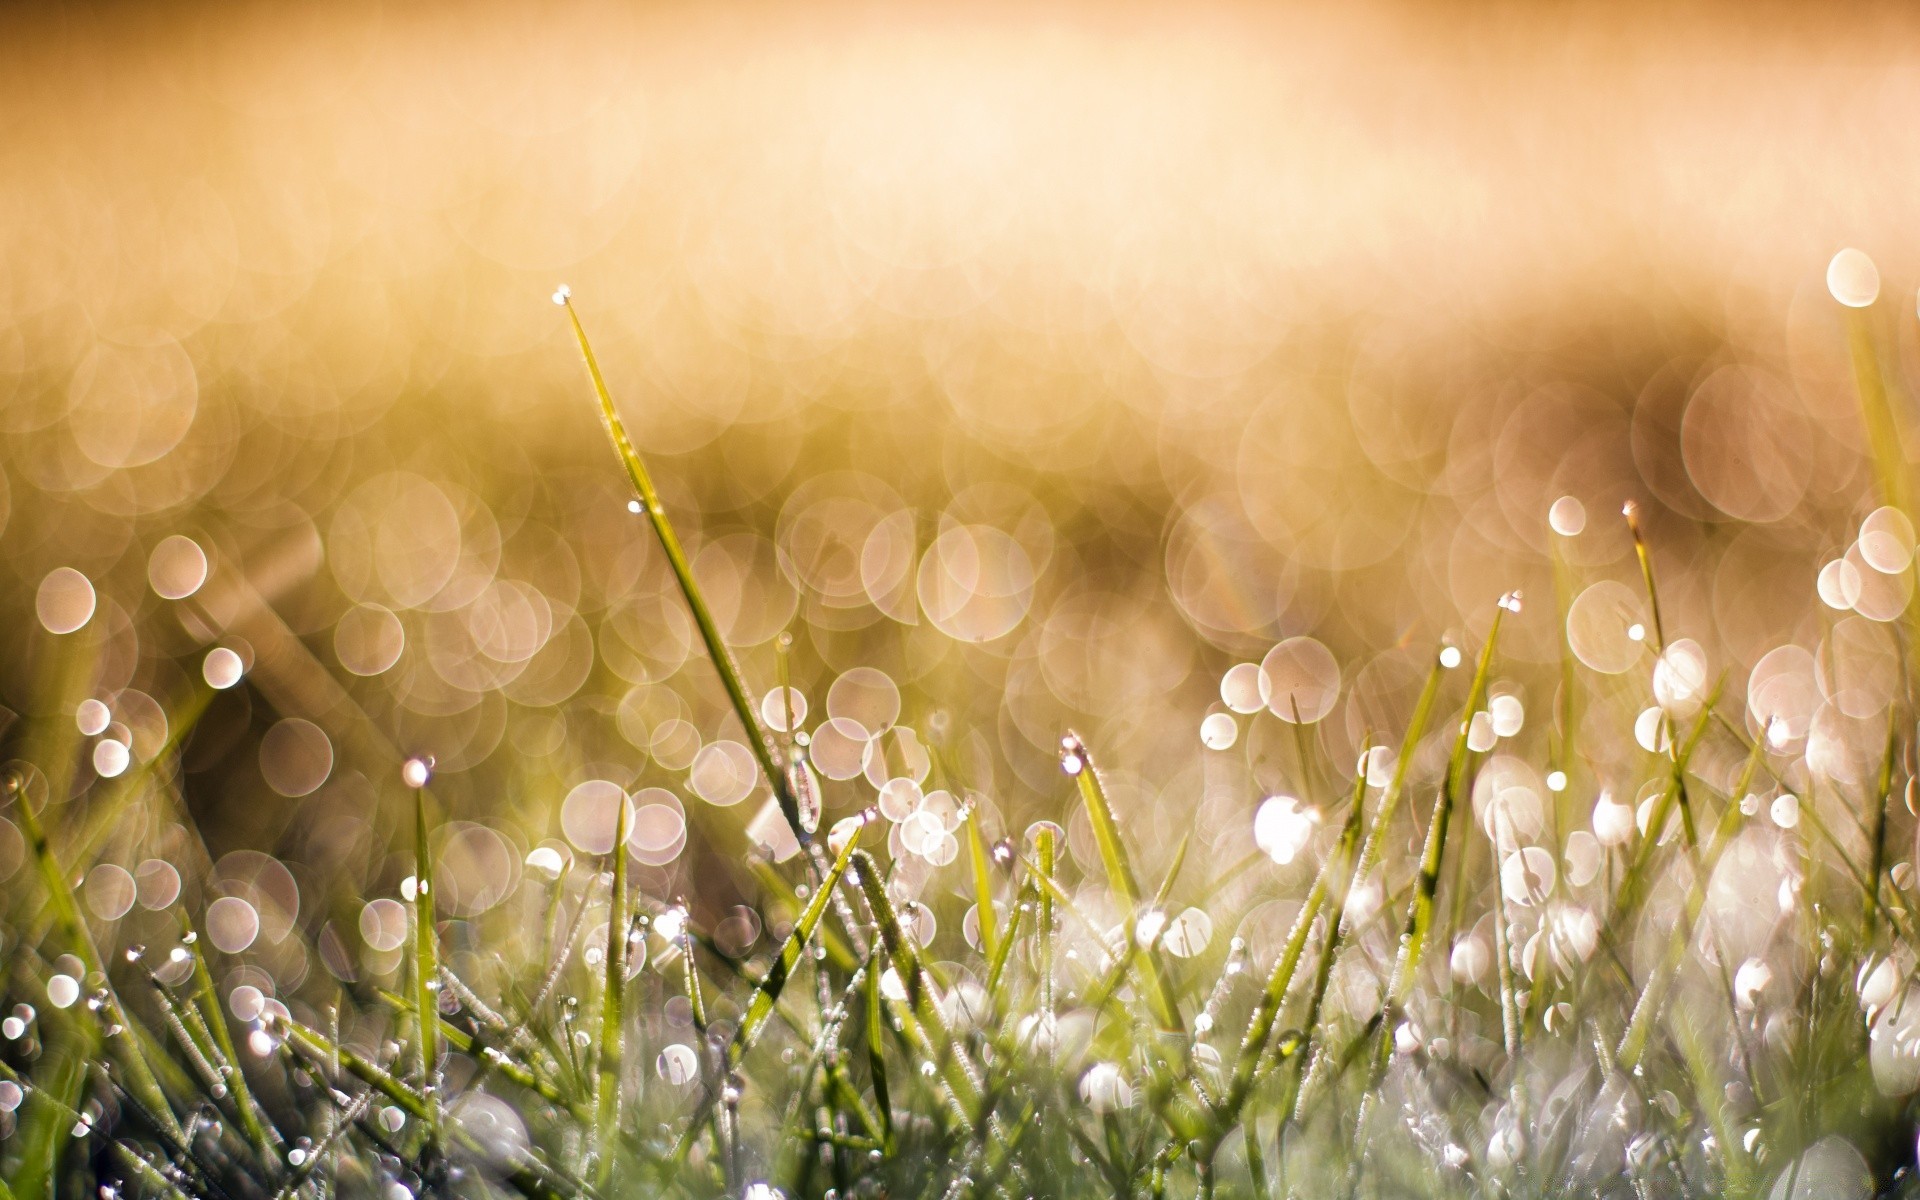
(1365,1052)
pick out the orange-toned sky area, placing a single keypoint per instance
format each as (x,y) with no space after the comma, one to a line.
(1045,361)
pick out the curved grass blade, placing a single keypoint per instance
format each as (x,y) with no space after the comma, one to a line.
(1396,785)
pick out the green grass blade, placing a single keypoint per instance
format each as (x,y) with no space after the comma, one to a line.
(1646,1008)
(905,953)
(606,1114)
(838,953)
(140,1080)
(1333,876)
(997,965)
(1877,841)
(1113,857)
(493,1059)
(258,1129)
(1323,972)
(426,966)
(766,994)
(876,1054)
(982,884)
(717,650)
(323,1052)
(1884,444)
(1396,785)
(1420,909)
(1133,952)
(1045,850)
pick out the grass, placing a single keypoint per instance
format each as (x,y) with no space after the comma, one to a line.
(1092,1043)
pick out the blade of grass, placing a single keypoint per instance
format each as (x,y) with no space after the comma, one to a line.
(876,1055)
(842,958)
(1078,763)
(259,1130)
(1420,910)
(1876,863)
(717,650)
(1312,1036)
(140,1079)
(982,884)
(997,965)
(494,1059)
(760,1004)
(1260,1025)
(606,1113)
(947,1058)
(1134,952)
(1647,1007)
(1877,413)
(1044,850)
(426,969)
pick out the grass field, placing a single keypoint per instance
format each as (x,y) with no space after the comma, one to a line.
(1249,602)
(1488,954)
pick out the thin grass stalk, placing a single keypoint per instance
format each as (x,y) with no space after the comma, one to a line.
(1877,414)
(982,884)
(1737,1179)
(1635,882)
(1134,951)
(141,1082)
(717,651)
(1631,512)
(1420,910)
(528,1175)
(1044,850)
(69,1117)
(255,1124)
(761,1003)
(949,1061)
(426,968)
(1396,785)
(1876,864)
(1253,1046)
(838,954)
(1316,998)
(1646,1008)
(997,965)
(1078,763)
(492,1058)
(297,1179)
(1502,955)
(606,1112)
(876,1056)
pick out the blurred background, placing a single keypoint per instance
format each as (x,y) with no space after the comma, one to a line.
(1032,365)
